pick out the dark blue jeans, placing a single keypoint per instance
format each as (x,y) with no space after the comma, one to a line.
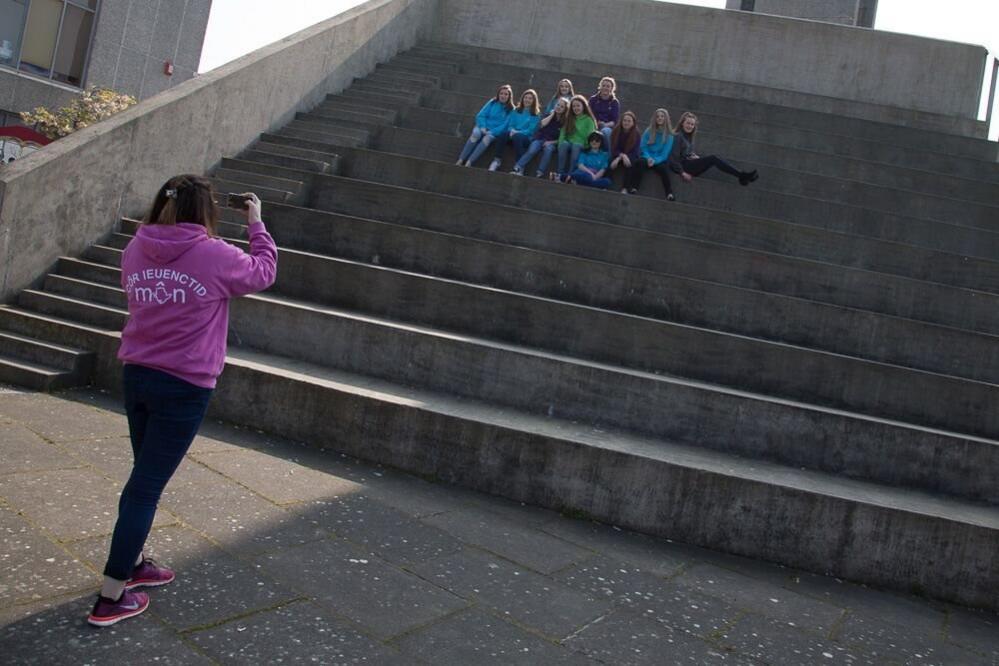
(164,414)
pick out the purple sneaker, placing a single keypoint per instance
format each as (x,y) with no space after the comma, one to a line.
(149,574)
(107,611)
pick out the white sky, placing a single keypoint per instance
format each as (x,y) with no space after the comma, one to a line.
(236,27)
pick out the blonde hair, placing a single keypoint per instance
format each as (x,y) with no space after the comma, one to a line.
(667,127)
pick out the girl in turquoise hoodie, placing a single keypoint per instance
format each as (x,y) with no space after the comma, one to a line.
(656,146)
(489,123)
(520,127)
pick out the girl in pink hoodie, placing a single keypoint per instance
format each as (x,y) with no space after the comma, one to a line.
(178,278)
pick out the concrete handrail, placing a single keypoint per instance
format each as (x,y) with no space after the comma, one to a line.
(62,199)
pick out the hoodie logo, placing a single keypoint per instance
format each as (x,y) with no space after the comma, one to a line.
(170,286)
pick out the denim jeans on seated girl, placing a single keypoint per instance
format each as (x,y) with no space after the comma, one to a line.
(547,149)
(568,156)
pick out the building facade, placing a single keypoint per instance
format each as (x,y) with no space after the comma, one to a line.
(858,13)
(51,49)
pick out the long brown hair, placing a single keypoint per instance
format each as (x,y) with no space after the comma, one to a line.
(633,134)
(509,100)
(185,198)
(679,124)
(535,108)
(667,128)
(570,120)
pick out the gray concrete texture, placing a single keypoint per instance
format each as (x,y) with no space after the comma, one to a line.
(311,544)
(114,172)
(843,12)
(830,60)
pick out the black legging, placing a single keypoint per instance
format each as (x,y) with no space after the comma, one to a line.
(633,176)
(698,165)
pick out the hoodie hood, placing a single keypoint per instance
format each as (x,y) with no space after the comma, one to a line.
(165,243)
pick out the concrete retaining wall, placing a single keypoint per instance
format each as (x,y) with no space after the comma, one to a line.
(60,200)
(803,56)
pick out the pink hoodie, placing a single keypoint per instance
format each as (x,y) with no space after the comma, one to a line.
(179,281)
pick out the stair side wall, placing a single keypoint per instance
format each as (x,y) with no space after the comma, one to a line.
(60,200)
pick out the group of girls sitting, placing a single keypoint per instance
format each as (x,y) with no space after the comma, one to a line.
(591,138)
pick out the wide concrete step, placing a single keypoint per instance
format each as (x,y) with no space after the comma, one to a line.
(505,269)
(930,302)
(277,148)
(730,141)
(610,396)
(92,292)
(90,271)
(785,194)
(35,376)
(410,170)
(700,248)
(49,354)
(603,349)
(861,531)
(261,155)
(74,309)
(467,104)
(749,111)
(236,182)
(328,137)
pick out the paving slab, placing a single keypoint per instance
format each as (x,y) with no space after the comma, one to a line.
(886,641)
(761,597)
(623,638)
(518,543)
(384,600)
(680,608)
(657,556)
(395,536)
(274,478)
(299,632)
(26,451)
(781,644)
(32,566)
(476,636)
(530,599)
(69,504)
(975,631)
(60,419)
(234,516)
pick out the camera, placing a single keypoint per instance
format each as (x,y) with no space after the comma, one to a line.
(237,201)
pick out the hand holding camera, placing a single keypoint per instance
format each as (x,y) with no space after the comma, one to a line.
(247,201)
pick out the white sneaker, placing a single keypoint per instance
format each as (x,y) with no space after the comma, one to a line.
(516,172)
(494,165)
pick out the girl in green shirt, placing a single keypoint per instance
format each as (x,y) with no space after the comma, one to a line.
(579,123)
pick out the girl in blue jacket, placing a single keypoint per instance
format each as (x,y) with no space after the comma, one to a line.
(489,123)
(591,169)
(654,154)
(520,127)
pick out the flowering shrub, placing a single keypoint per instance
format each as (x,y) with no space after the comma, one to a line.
(92,105)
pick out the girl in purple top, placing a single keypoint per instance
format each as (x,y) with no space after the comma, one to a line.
(606,108)
(545,140)
(178,279)
(625,143)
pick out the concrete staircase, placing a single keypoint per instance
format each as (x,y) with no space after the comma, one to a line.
(804,371)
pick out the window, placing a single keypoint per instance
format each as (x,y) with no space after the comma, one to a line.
(49,38)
